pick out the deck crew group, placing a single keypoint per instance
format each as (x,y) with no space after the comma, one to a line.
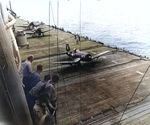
(40,95)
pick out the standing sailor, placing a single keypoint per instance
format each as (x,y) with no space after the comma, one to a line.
(27,70)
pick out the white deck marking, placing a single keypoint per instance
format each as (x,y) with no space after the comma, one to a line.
(103,57)
(125,117)
(140,72)
(102,79)
(93,52)
(114,61)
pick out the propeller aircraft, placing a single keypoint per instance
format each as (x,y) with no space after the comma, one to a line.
(38,31)
(77,57)
(31,25)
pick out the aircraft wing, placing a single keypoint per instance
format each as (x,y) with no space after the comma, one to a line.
(61,53)
(30,33)
(100,54)
(46,30)
(64,62)
(22,26)
(75,61)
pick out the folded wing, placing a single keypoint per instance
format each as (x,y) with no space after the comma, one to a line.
(43,31)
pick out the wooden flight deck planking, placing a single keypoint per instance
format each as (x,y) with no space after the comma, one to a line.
(89,90)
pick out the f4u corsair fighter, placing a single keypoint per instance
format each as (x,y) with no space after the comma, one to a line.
(38,31)
(79,57)
(31,25)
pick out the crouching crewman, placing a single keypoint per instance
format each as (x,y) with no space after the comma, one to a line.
(47,86)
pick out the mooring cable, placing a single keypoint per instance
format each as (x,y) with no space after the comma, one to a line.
(49,37)
(80,70)
(67,101)
(58,57)
(57,49)
(133,94)
(52,13)
(57,32)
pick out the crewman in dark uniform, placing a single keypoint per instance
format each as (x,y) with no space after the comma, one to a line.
(52,93)
(49,88)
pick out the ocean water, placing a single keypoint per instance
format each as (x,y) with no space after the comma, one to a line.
(121,23)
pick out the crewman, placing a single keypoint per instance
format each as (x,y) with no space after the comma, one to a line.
(41,110)
(40,86)
(27,70)
(34,78)
(52,93)
(49,88)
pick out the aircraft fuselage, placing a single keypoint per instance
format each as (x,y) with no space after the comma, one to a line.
(82,55)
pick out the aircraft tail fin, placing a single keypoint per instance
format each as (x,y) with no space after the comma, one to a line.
(67,47)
